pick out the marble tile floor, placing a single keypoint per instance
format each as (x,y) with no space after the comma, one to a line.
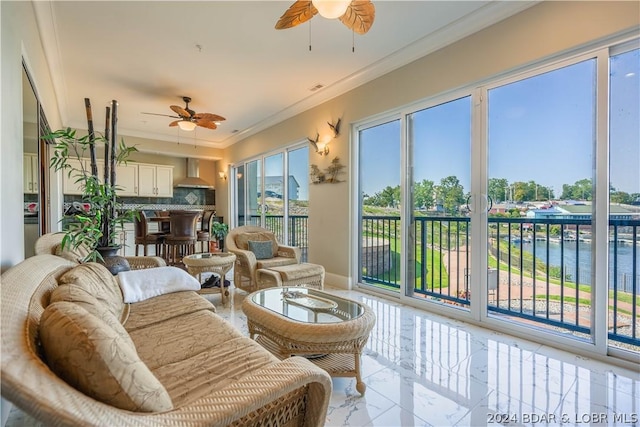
(423,369)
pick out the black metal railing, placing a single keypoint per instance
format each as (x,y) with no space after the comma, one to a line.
(297,229)
(539,269)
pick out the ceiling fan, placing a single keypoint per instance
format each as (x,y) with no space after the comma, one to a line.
(189,119)
(358,15)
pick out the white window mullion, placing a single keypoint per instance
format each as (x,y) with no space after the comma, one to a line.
(479,205)
(600,208)
(406,215)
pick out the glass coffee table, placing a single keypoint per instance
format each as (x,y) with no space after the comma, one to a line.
(330,331)
(215,262)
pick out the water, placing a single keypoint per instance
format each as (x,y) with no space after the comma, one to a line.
(582,252)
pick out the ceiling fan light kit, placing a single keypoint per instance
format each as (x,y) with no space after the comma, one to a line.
(357,15)
(331,9)
(186,125)
(189,119)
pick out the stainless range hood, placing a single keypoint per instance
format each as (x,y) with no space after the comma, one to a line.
(193,179)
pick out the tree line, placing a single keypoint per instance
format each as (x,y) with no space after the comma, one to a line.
(449,195)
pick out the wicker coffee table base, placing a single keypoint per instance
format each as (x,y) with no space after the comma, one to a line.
(339,359)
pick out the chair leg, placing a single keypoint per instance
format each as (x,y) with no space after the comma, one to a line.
(137,246)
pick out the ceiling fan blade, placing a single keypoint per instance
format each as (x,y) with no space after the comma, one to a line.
(180,111)
(299,12)
(206,124)
(175,123)
(359,16)
(163,115)
(208,116)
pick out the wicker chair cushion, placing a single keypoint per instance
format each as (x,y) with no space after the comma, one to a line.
(76,255)
(299,271)
(262,250)
(99,282)
(74,293)
(97,357)
(275,262)
(242,240)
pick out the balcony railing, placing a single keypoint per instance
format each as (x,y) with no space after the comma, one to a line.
(297,226)
(539,269)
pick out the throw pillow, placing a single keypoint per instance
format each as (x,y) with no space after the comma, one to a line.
(99,359)
(139,285)
(99,282)
(242,239)
(262,250)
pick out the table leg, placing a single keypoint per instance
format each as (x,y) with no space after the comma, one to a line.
(360,385)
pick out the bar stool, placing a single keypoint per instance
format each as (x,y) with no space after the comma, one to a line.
(144,238)
(163,225)
(204,234)
(182,239)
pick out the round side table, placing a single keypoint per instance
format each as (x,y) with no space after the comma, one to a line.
(218,262)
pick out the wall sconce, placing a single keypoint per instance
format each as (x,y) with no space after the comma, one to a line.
(222,175)
(322,146)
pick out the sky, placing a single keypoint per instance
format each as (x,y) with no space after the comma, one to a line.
(540,129)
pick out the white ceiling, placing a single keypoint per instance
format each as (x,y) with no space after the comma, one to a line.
(227,56)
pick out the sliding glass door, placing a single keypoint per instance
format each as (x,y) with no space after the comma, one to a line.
(516,203)
(379,206)
(541,142)
(272,192)
(439,255)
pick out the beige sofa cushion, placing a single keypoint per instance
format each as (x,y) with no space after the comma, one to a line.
(97,357)
(192,355)
(164,307)
(212,369)
(242,240)
(78,254)
(75,293)
(99,282)
(181,338)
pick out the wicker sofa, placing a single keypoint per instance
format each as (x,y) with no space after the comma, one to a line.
(190,367)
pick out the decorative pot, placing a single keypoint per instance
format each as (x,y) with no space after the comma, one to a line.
(114,262)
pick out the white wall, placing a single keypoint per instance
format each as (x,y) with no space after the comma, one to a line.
(537,33)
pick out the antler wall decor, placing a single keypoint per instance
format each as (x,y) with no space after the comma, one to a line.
(322,147)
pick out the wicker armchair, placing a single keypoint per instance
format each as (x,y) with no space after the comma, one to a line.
(50,243)
(246,267)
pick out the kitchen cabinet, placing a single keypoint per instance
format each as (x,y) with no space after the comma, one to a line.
(127,179)
(133,179)
(30,173)
(69,184)
(155,180)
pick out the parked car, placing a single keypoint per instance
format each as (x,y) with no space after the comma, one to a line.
(270,193)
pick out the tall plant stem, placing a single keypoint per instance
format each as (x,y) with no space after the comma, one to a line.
(92,137)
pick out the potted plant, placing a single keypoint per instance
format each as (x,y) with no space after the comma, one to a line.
(219,230)
(95,227)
